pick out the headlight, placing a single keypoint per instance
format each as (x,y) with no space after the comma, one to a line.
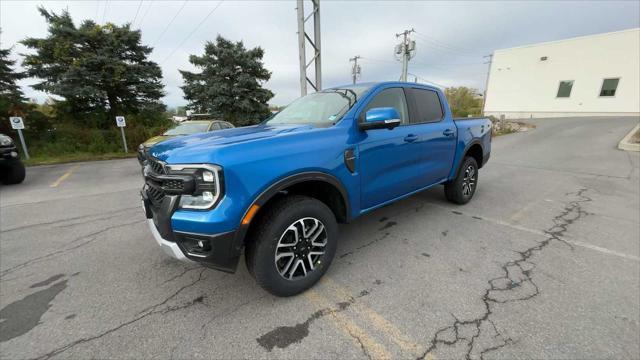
(204,201)
(207,185)
(5,140)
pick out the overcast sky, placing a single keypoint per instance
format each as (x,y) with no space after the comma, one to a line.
(451,36)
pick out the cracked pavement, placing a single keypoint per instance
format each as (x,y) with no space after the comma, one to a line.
(543,263)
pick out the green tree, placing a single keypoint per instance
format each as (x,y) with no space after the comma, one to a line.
(97,69)
(11,96)
(9,89)
(229,83)
(464,101)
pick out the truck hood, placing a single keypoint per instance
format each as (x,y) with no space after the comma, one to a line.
(156,139)
(199,147)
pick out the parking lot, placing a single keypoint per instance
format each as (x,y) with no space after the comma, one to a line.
(543,263)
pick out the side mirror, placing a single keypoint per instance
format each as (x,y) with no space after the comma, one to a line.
(380,118)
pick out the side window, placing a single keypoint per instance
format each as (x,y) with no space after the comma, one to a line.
(227,125)
(609,87)
(393,97)
(564,89)
(425,106)
(215,126)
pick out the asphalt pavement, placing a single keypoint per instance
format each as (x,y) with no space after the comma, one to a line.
(543,263)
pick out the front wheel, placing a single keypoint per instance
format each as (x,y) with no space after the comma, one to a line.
(293,246)
(461,189)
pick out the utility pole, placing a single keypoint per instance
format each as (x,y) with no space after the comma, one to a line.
(355,69)
(303,37)
(406,50)
(486,83)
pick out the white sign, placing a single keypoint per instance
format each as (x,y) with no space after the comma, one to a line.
(120,121)
(16,123)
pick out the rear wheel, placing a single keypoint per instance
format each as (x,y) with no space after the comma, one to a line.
(13,173)
(462,188)
(293,246)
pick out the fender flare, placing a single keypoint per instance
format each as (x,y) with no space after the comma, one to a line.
(286,182)
(466,149)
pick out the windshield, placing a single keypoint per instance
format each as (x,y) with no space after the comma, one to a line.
(323,108)
(188,128)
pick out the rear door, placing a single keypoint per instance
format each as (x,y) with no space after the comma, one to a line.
(389,159)
(436,134)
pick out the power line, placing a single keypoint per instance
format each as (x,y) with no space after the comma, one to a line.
(424,63)
(448,65)
(104,13)
(192,32)
(145,13)
(376,60)
(169,23)
(428,81)
(97,9)
(442,50)
(137,12)
(444,45)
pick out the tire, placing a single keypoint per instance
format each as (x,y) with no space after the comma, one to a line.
(462,188)
(267,251)
(14,173)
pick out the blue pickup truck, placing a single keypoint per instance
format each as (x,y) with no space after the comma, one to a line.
(278,189)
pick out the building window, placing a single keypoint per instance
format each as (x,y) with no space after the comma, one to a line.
(609,87)
(564,90)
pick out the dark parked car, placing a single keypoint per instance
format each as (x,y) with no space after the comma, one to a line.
(11,168)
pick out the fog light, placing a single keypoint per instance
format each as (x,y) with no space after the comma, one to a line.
(14,154)
(207,196)
(207,176)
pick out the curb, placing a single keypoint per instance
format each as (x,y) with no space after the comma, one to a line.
(626,144)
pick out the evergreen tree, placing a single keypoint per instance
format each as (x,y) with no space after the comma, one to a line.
(11,96)
(9,90)
(229,84)
(95,68)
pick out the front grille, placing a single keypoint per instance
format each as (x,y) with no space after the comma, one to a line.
(156,166)
(175,185)
(6,150)
(155,195)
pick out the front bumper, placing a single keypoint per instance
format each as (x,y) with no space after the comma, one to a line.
(218,251)
(9,154)
(170,248)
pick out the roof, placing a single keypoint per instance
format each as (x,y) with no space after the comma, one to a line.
(569,39)
(371,84)
(200,121)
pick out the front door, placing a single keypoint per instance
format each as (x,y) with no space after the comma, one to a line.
(390,159)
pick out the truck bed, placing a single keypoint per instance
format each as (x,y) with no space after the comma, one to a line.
(474,131)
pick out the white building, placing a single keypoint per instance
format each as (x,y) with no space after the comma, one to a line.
(597,75)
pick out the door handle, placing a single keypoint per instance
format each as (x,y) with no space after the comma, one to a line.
(448,132)
(410,138)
